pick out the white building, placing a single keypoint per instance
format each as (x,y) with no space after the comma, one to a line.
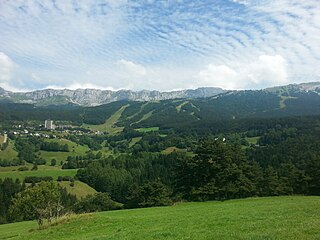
(48,124)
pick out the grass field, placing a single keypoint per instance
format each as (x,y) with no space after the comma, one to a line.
(283,100)
(9,153)
(150,129)
(42,171)
(252,140)
(79,189)
(134,141)
(178,108)
(75,150)
(109,125)
(140,111)
(256,218)
(144,117)
(173,149)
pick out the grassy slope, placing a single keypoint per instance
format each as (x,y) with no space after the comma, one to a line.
(109,125)
(181,105)
(79,189)
(134,141)
(173,149)
(144,117)
(9,153)
(283,99)
(252,140)
(75,150)
(150,129)
(42,171)
(257,218)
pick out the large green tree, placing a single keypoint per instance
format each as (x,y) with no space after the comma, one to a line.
(40,202)
(218,171)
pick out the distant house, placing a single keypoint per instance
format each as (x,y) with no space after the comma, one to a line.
(48,124)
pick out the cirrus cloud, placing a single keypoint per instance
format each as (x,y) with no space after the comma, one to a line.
(159,44)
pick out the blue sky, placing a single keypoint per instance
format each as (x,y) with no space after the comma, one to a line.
(158,44)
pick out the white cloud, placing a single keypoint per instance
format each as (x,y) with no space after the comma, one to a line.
(266,71)
(133,67)
(242,2)
(219,75)
(76,86)
(6,67)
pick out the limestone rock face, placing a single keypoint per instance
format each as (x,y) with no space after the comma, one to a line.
(94,97)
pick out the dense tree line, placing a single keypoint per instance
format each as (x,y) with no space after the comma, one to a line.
(54,147)
(217,171)
(8,189)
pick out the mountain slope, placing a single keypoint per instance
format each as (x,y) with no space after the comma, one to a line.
(220,111)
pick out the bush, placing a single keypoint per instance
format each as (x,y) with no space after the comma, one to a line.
(24,168)
(34,179)
(96,203)
(150,194)
(53,162)
(65,178)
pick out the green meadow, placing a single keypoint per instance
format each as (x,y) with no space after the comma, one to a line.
(150,129)
(9,153)
(80,189)
(74,150)
(43,171)
(294,217)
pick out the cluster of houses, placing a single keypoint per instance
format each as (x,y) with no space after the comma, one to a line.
(48,126)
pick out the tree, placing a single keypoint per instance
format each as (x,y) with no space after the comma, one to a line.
(8,189)
(39,202)
(96,203)
(149,194)
(53,162)
(218,171)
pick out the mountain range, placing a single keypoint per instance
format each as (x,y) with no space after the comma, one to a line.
(95,97)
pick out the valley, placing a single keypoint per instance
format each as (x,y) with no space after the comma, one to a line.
(132,154)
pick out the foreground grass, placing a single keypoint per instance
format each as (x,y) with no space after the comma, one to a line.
(256,218)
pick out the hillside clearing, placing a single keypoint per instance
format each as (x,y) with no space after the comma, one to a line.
(144,117)
(284,99)
(45,171)
(134,141)
(149,129)
(74,148)
(79,189)
(9,153)
(255,218)
(178,108)
(109,125)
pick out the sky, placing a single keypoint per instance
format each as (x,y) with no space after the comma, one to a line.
(158,44)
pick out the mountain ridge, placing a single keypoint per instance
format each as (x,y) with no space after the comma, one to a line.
(96,97)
